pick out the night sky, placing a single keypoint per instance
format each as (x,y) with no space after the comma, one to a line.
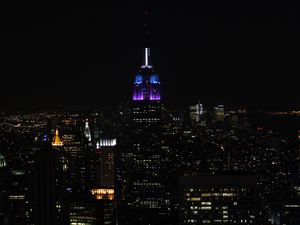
(86,55)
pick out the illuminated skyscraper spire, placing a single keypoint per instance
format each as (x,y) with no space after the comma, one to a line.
(87,132)
(147,56)
(56,139)
(147,62)
(146,82)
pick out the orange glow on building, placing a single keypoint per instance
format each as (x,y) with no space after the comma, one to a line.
(56,139)
(103,193)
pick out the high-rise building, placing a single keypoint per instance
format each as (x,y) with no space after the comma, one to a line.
(87,132)
(58,144)
(56,140)
(45,199)
(146,82)
(219,113)
(85,165)
(196,112)
(15,207)
(105,166)
(104,188)
(71,149)
(146,191)
(217,199)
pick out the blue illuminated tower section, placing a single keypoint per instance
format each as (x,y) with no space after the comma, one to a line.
(146,82)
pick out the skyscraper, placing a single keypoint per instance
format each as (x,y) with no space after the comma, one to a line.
(219,113)
(87,132)
(146,191)
(85,162)
(56,140)
(146,82)
(196,112)
(45,186)
(105,168)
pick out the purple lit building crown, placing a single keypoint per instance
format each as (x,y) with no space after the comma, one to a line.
(146,82)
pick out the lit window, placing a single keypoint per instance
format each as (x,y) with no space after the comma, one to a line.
(206,194)
(227,194)
(206,207)
(205,203)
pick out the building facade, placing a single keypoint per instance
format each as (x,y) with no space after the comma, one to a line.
(217,199)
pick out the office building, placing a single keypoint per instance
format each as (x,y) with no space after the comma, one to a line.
(217,199)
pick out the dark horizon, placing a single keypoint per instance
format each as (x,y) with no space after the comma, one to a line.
(232,54)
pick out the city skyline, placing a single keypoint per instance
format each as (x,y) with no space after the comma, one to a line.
(241,55)
(148,113)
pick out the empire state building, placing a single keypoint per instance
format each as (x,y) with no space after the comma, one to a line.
(146,94)
(147,195)
(146,83)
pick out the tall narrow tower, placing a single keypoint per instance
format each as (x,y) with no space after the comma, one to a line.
(146,193)
(45,194)
(146,82)
(146,198)
(87,132)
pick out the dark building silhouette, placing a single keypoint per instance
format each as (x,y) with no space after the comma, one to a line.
(286,210)
(45,196)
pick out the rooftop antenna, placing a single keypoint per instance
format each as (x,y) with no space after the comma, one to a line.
(147,49)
